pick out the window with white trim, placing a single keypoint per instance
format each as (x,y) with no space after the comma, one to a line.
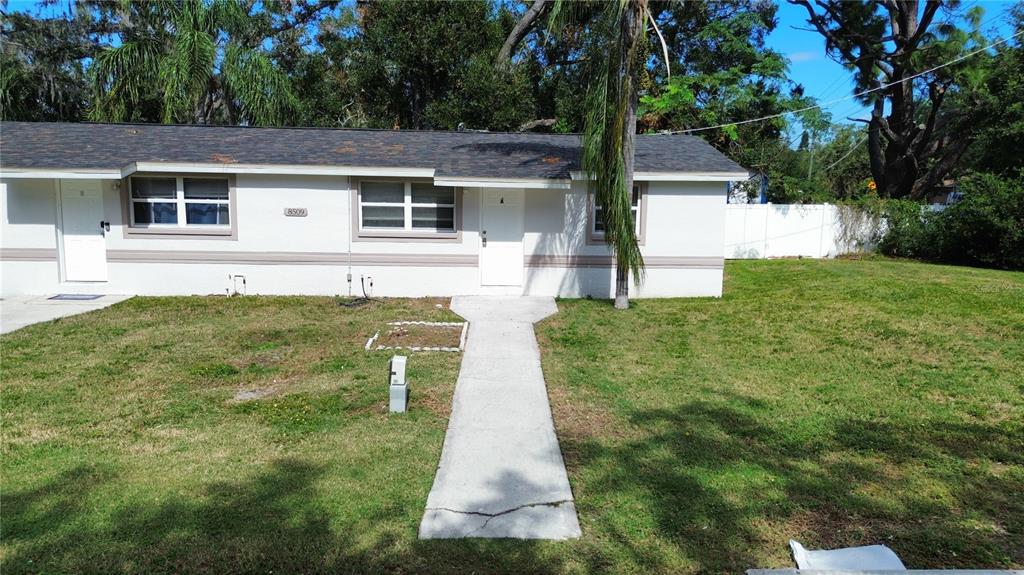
(597,222)
(184,202)
(406,207)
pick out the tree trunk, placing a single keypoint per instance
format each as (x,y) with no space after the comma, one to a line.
(621,286)
(629,34)
(628,149)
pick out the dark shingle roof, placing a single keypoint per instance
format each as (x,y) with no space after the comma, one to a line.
(451,154)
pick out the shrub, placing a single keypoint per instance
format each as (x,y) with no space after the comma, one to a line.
(906,232)
(986,228)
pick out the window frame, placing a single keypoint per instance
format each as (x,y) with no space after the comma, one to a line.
(407,232)
(181,229)
(595,237)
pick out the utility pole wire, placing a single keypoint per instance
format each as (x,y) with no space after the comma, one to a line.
(857,95)
(847,154)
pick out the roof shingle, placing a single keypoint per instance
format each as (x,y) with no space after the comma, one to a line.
(451,154)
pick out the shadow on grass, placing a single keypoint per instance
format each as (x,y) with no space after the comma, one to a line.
(268,524)
(713,481)
(727,490)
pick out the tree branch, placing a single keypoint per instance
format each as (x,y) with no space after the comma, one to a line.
(930,9)
(819,22)
(533,124)
(886,69)
(951,155)
(305,14)
(888,132)
(521,29)
(936,95)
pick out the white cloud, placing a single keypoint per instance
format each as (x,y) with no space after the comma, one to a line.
(804,56)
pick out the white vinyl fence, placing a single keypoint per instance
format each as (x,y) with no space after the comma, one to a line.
(757,231)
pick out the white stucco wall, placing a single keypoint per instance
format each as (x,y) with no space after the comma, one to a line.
(28,210)
(685,226)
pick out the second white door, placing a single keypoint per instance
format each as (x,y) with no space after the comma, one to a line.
(501,237)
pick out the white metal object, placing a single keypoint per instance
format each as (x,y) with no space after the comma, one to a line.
(236,281)
(398,388)
(858,558)
(501,249)
(370,341)
(85,244)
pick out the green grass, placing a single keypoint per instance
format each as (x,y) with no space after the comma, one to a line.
(124,449)
(837,402)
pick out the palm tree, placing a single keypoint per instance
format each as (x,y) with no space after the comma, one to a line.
(189,61)
(615,59)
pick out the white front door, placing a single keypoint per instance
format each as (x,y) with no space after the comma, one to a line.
(85,246)
(501,237)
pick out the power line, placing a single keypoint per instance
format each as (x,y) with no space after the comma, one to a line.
(834,85)
(847,154)
(857,95)
(855,110)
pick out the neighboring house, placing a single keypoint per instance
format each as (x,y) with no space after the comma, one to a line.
(944,194)
(160,209)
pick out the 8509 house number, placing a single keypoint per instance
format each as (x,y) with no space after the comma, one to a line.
(296,212)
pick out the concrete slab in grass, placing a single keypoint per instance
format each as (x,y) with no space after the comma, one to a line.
(19,311)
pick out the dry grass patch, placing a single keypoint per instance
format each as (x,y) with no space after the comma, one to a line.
(416,335)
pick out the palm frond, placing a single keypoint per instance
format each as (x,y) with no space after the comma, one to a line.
(186,70)
(613,61)
(263,90)
(664,45)
(121,75)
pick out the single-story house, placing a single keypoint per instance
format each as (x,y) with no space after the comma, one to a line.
(165,209)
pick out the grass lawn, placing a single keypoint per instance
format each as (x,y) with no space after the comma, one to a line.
(834,402)
(837,402)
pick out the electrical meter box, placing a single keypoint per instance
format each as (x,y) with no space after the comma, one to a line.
(398,388)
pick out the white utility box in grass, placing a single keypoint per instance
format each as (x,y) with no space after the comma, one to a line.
(399,389)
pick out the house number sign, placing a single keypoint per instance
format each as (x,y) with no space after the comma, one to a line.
(296,212)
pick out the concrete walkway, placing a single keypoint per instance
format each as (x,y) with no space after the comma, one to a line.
(501,471)
(19,311)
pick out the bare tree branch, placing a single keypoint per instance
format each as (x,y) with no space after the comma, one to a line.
(521,29)
(534,124)
(930,9)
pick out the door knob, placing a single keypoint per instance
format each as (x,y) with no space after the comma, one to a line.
(483,235)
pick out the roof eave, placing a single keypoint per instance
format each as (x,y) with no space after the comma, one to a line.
(60,173)
(641,176)
(528,183)
(275,169)
(360,171)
